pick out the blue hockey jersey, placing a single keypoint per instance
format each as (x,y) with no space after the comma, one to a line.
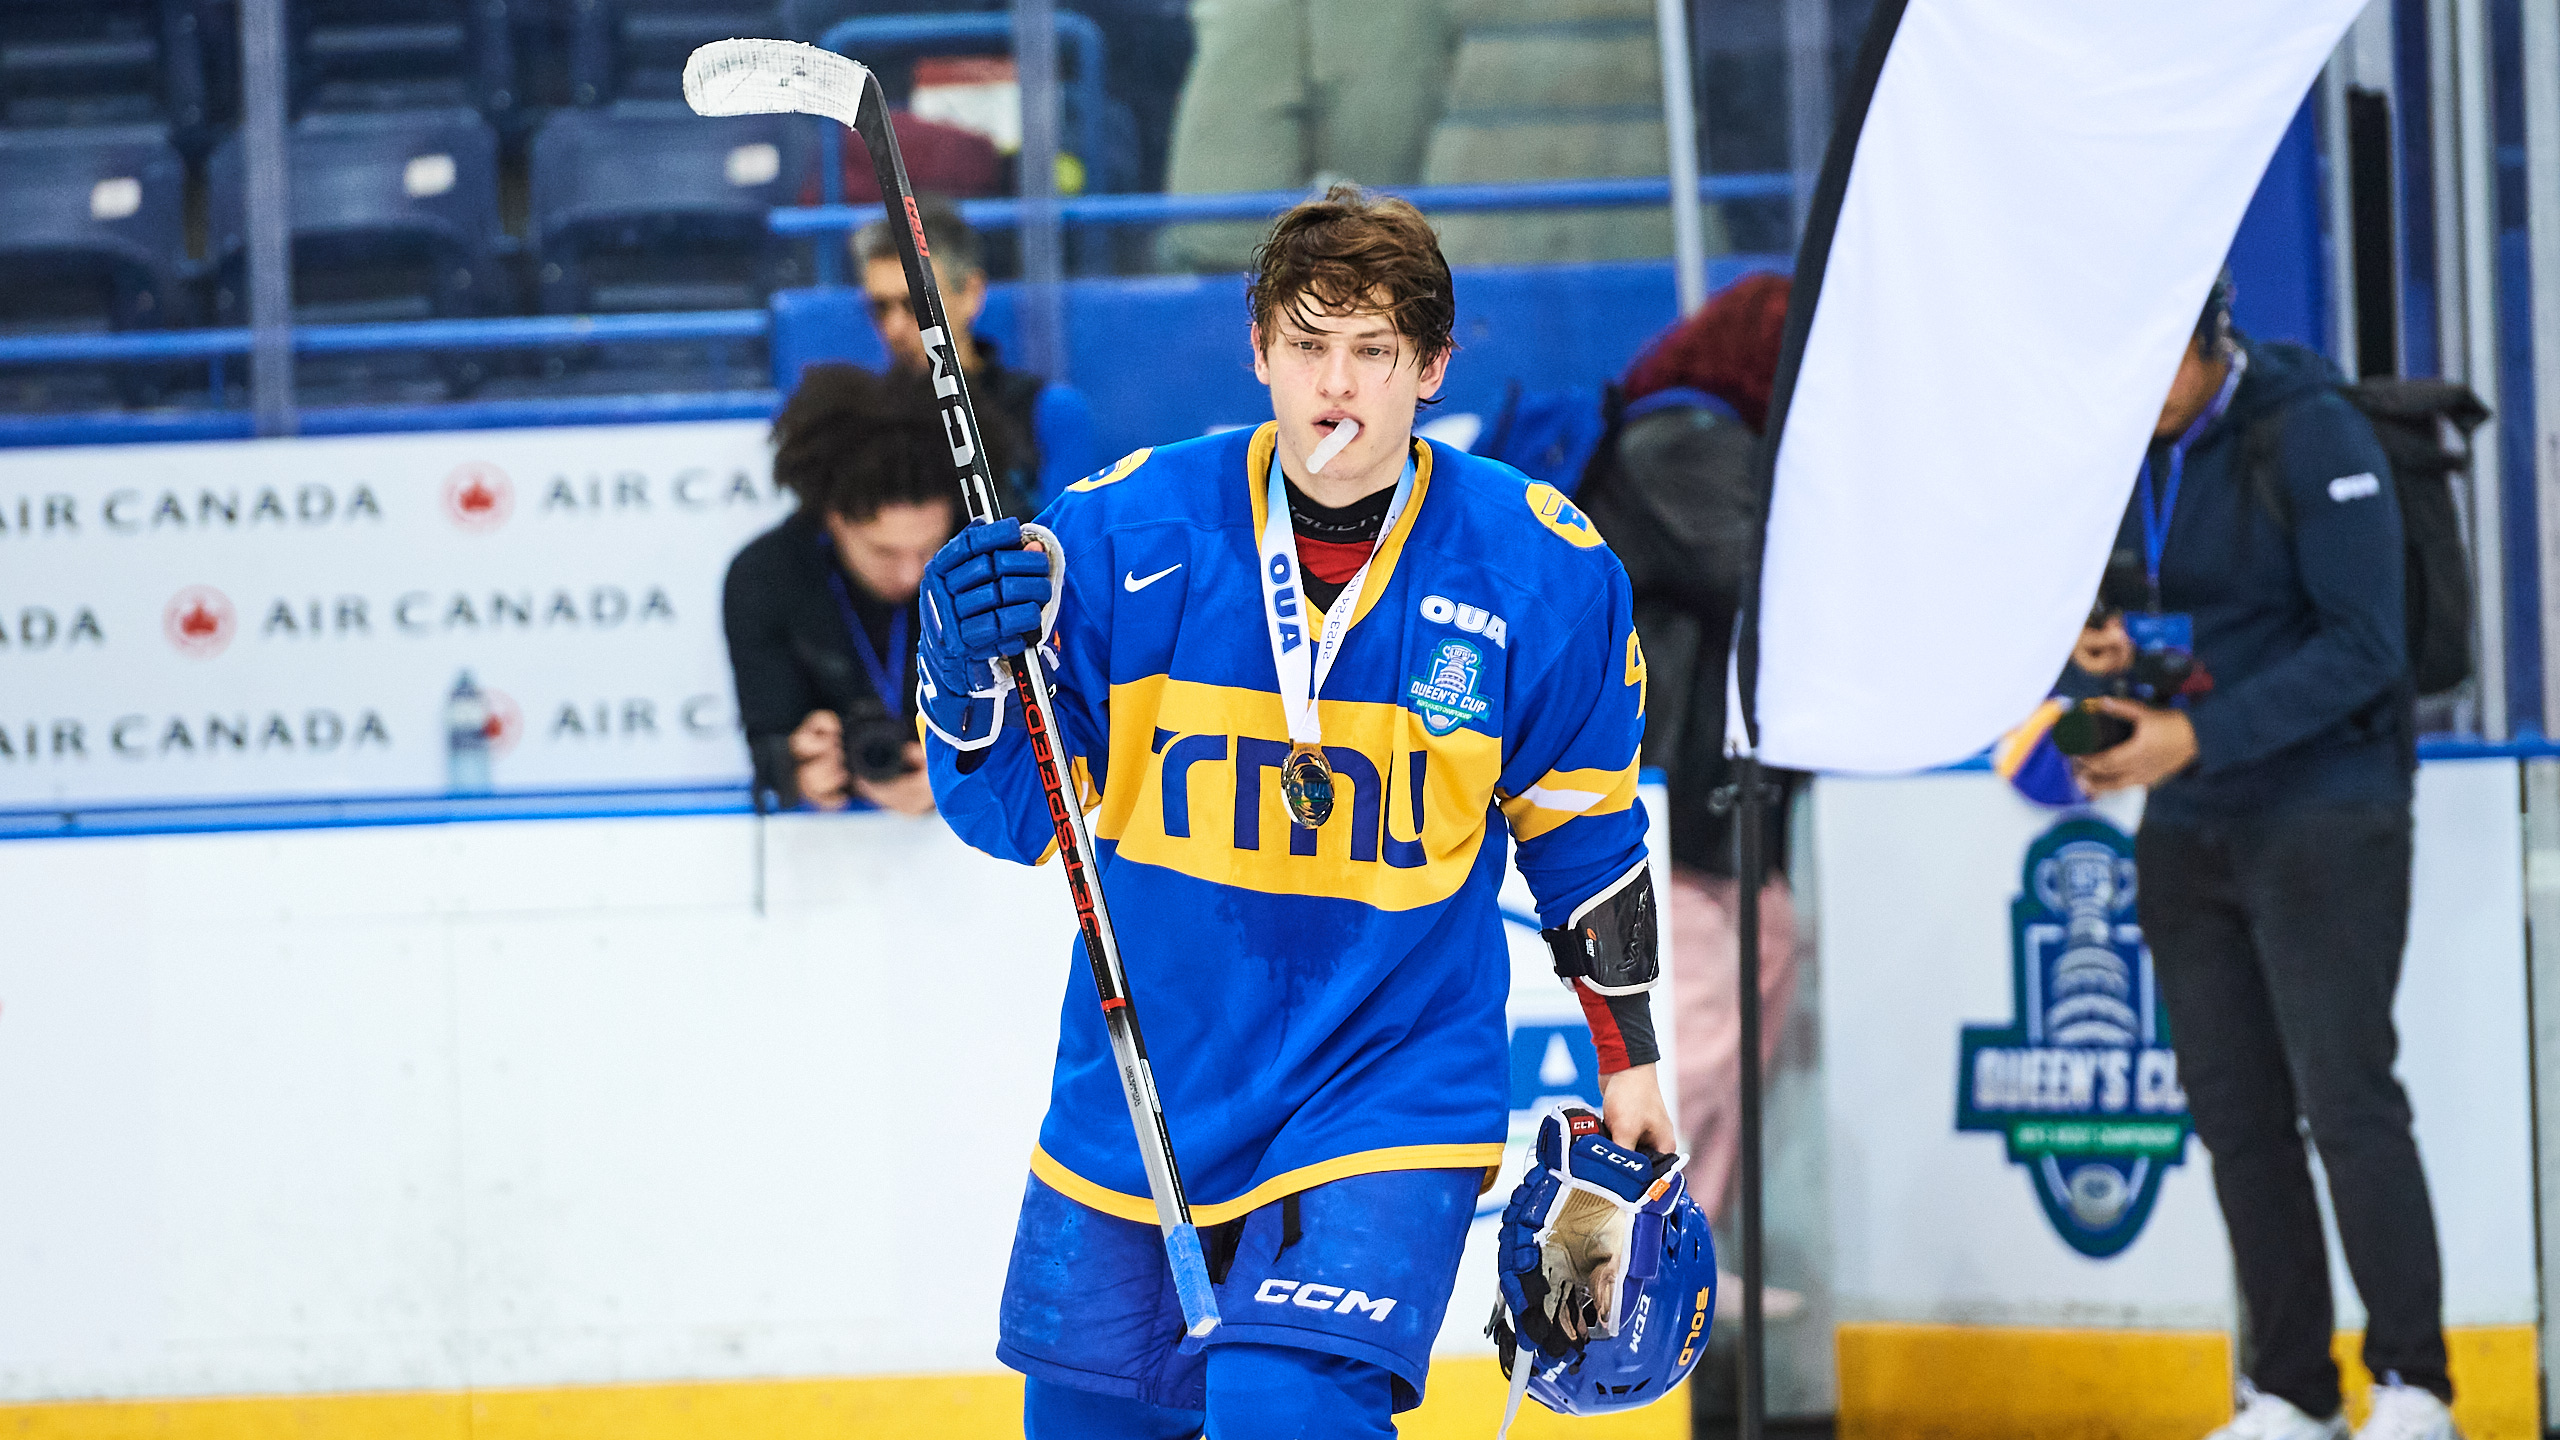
(1318,1002)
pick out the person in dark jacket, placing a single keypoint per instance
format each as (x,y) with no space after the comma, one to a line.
(1053,442)
(820,610)
(2274,859)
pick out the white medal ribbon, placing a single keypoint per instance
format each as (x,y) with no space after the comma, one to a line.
(1304,660)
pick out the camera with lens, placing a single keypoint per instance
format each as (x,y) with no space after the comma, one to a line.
(2164,660)
(875,738)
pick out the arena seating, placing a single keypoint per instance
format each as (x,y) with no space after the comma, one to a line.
(101,62)
(402,54)
(650,207)
(394,217)
(477,161)
(94,232)
(93,237)
(1541,90)
(636,49)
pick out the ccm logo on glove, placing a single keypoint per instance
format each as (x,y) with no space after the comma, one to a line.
(2355,487)
(1276,1291)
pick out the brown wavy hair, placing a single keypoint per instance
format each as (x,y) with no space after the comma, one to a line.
(1351,251)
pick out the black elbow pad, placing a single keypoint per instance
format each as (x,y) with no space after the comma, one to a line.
(1610,943)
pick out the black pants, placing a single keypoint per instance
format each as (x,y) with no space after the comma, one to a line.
(2277,941)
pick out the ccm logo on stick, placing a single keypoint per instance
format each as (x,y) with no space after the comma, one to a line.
(1474,619)
(1323,1297)
(945,366)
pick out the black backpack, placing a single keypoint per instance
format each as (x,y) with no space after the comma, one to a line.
(2425,428)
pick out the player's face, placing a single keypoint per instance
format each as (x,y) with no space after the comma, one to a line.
(886,554)
(884,285)
(1329,368)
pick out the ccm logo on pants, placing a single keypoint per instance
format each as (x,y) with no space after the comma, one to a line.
(1323,1297)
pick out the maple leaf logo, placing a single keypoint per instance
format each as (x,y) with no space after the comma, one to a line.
(199,621)
(478,496)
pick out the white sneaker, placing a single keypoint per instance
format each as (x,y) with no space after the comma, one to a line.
(2266,1417)
(2405,1412)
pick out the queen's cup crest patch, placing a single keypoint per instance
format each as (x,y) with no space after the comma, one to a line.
(2082,1083)
(1445,692)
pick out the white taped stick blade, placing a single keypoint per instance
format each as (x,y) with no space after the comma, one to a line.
(772,77)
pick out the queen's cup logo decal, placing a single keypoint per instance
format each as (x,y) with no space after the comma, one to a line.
(2082,1084)
(1445,692)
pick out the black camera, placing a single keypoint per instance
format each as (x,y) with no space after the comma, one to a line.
(2164,661)
(875,738)
(875,742)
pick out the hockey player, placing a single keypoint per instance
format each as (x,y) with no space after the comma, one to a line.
(1304,673)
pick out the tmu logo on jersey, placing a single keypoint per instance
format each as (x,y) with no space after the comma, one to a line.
(2082,1083)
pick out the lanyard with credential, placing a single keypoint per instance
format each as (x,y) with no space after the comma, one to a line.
(1303,659)
(2156,518)
(890,685)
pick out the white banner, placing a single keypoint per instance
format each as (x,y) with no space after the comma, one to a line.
(291,618)
(2040,199)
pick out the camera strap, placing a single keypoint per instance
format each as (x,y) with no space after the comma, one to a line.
(887,683)
(2156,516)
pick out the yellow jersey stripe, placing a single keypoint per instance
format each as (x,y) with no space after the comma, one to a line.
(1142,1210)
(1564,795)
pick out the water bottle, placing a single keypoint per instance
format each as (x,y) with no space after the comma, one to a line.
(466,740)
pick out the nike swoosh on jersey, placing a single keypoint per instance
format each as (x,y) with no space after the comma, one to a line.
(1133,584)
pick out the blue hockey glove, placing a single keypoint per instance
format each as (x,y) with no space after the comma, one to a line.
(984,597)
(1608,1274)
(1575,1232)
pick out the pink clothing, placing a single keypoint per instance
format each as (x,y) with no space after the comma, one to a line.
(1705,957)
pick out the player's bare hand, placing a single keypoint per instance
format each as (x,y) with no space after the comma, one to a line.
(818,747)
(910,794)
(2104,649)
(1631,1106)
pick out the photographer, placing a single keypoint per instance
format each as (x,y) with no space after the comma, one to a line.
(821,609)
(2265,649)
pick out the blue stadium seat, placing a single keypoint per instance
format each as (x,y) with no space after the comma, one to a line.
(650,207)
(92,237)
(403,55)
(394,217)
(636,49)
(93,232)
(101,62)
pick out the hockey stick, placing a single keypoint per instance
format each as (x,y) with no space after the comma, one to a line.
(767,77)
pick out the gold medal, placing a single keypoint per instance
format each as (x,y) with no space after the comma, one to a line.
(1306,782)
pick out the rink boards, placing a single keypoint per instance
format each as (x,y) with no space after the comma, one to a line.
(610,1127)
(402,1129)
(1963,1307)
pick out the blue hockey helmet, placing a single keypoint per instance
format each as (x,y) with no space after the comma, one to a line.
(1637,1327)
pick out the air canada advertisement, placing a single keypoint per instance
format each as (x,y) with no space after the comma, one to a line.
(373,616)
